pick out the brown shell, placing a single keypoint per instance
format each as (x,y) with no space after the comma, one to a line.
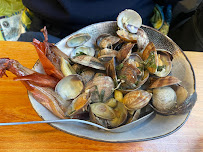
(103,111)
(142,39)
(107,51)
(165,81)
(107,40)
(106,58)
(88,61)
(126,36)
(100,88)
(125,52)
(111,69)
(136,99)
(87,75)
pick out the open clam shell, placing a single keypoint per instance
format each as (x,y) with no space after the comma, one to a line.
(150,57)
(78,105)
(82,50)
(78,40)
(111,69)
(106,41)
(164,63)
(169,97)
(70,87)
(129,20)
(101,88)
(132,73)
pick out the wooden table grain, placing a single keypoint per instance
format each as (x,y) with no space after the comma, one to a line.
(15,106)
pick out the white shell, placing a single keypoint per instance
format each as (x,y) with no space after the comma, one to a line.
(164,98)
(128,18)
(69,87)
(84,49)
(78,40)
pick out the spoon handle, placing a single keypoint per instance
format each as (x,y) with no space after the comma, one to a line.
(53,121)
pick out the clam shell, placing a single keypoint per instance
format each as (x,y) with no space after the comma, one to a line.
(106,58)
(125,52)
(103,111)
(142,39)
(165,81)
(107,40)
(179,105)
(107,51)
(84,50)
(126,36)
(129,17)
(136,99)
(87,75)
(134,116)
(70,87)
(78,39)
(111,69)
(78,105)
(164,99)
(101,88)
(89,61)
(150,56)
(166,60)
(140,76)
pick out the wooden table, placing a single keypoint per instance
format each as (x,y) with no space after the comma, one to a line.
(15,106)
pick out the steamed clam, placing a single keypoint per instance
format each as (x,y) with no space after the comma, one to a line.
(103,111)
(106,116)
(136,99)
(168,95)
(106,41)
(132,73)
(129,23)
(129,20)
(158,62)
(70,87)
(79,105)
(82,50)
(78,40)
(101,88)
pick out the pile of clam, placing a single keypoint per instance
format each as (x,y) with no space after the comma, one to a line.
(120,79)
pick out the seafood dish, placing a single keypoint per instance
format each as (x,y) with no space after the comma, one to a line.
(121,79)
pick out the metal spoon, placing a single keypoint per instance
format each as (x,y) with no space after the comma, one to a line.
(118,129)
(53,121)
